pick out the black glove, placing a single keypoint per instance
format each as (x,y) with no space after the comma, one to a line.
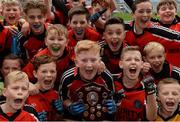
(76,108)
(150,87)
(96,16)
(118,96)
(58,106)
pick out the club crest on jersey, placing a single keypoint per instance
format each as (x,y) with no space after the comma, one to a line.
(137,104)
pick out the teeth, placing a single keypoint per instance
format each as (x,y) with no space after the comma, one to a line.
(36,26)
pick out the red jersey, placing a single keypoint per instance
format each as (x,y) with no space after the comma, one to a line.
(173,55)
(149,36)
(90,34)
(92,92)
(34,43)
(132,106)
(5,41)
(111,59)
(42,102)
(20,115)
(167,71)
(63,63)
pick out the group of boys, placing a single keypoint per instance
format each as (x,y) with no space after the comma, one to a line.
(105,70)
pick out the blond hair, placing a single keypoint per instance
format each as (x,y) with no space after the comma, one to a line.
(12,2)
(166,2)
(87,45)
(152,46)
(35,4)
(129,48)
(60,29)
(167,81)
(14,77)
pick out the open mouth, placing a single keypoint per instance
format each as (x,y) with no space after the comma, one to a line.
(114,44)
(132,70)
(79,32)
(157,66)
(47,82)
(11,18)
(36,26)
(18,101)
(170,103)
(89,71)
(55,49)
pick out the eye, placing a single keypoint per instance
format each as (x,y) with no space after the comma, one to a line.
(32,17)
(24,88)
(82,22)
(44,71)
(39,17)
(84,60)
(148,11)
(74,22)
(110,33)
(52,71)
(15,88)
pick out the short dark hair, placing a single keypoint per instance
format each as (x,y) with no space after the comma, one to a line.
(136,2)
(78,10)
(114,20)
(12,57)
(42,59)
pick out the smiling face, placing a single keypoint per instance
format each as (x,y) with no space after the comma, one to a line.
(79,24)
(12,14)
(88,63)
(114,35)
(131,64)
(156,58)
(46,75)
(169,97)
(142,14)
(56,43)
(36,20)
(167,13)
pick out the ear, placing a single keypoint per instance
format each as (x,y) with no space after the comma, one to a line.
(120,64)
(165,55)
(4,92)
(76,62)
(35,73)
(45,41)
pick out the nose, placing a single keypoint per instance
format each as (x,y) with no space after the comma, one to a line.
(49,74)
(36,19)
(78,25)
(89,64)
(56,41)
(20,92)
(156,59)
(114,35)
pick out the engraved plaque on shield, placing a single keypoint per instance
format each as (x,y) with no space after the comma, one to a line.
(93,96)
